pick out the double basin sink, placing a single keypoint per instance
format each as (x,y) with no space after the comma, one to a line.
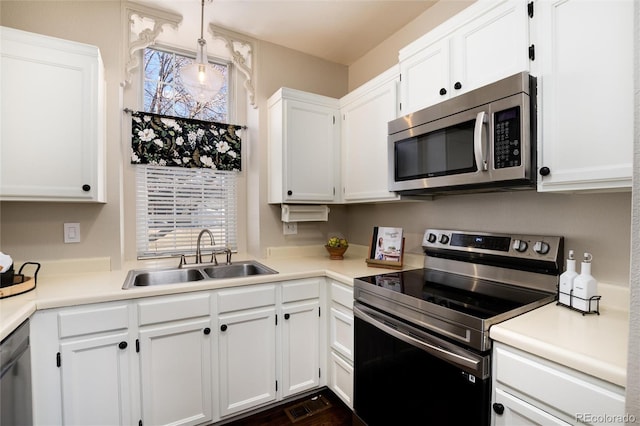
(149,277)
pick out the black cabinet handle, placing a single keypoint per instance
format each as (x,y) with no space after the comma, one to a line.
(443,91)
(122,345)
(86,188)
(545,171)
(223,327)
(287,316)
(207,331)
(457,86)
(289,192)
(498,408)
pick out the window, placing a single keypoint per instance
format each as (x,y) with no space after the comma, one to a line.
(163,93)
(173,204)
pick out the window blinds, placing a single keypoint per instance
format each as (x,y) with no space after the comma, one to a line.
(174,204)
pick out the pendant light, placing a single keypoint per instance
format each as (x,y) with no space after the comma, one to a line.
(201,79)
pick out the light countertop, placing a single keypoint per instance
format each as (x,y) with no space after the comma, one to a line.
(593,344)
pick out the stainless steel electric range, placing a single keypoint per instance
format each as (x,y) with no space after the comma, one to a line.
(422,336)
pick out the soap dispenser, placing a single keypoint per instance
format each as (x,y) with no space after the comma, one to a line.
(567,281)
(584,286)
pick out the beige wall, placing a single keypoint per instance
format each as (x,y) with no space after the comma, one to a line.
(34,231)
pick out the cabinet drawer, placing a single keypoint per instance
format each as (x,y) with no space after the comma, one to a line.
(342,294)
(246,298)
(569,391)
(341,331)
(173,308)
(91,319)
(300,290)
(341,379)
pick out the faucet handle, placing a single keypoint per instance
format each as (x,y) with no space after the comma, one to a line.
(183,261)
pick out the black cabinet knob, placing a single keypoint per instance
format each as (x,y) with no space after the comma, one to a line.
(498,408)
(86,188)
(223,327)
(545,171)
(457,86)
(207,331)
(289,192)
(287,316)
(122,345)
(443,91)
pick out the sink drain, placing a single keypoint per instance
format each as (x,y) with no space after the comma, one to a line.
(307,408)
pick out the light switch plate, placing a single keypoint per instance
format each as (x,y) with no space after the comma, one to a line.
(71,232)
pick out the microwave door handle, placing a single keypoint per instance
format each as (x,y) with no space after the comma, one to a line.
(480,146)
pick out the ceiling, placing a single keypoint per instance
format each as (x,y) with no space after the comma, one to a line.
(339,31)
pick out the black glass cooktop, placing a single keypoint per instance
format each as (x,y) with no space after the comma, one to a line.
(479,298)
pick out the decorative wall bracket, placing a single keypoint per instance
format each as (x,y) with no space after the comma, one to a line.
(144,25)
(146,36)
(241,51)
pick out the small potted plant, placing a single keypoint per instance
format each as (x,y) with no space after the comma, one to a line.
(336,247)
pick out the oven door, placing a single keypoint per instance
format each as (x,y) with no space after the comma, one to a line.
(404,375)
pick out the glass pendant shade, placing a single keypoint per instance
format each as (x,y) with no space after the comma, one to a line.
(201,79)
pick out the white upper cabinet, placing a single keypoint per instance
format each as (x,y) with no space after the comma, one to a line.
(304,153)
(485,42)
(52,133)
(585,88)
(365,114)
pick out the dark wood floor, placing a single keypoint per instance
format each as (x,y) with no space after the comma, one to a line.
(336,415)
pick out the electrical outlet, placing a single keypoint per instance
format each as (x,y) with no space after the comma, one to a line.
(289,228)
(71,232)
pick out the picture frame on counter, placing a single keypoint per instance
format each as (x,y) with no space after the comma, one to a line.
(386,249)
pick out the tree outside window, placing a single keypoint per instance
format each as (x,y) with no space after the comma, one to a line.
(164,94)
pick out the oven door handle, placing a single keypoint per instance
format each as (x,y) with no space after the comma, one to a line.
(479,144)
(400,331)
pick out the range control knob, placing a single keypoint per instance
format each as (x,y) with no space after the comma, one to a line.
(432,238)
(520,246)
(541,247)
(444,239)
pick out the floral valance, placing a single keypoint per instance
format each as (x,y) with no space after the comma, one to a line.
(183,142)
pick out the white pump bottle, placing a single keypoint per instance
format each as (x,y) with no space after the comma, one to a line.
(567,279)
(584,286)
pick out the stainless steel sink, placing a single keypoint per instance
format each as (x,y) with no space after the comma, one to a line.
(239,269)
(147,277)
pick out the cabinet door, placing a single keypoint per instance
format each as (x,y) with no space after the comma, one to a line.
(52,137)
(519,412)
(490,47)
(341,378)
(586,94)
(311,135)
(95,381)
(365,175)
(246,354)
(425,77)
(300,347)
(175,369)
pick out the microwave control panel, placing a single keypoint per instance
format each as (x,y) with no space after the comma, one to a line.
(507,150)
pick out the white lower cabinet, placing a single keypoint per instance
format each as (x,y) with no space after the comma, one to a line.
(529,390)
(187,359)
(82,362)
(341,341)
(300,349)
(175,359)
(246,347)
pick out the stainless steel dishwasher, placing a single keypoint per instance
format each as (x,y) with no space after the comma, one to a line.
(15,378)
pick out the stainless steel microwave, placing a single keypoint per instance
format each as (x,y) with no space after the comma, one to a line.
(482,140)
